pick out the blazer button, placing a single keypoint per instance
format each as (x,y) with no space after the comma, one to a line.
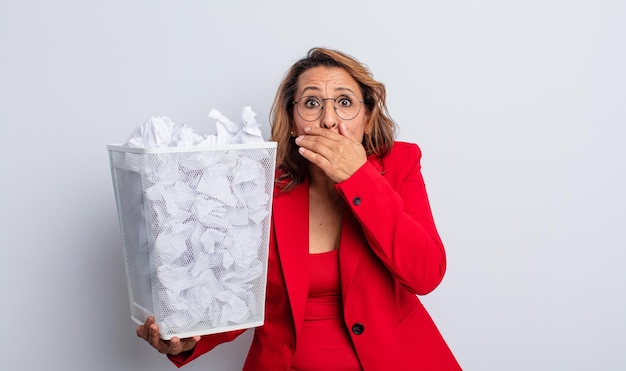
(356,201)
(357,329)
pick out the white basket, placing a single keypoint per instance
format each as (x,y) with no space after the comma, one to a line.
(195,227)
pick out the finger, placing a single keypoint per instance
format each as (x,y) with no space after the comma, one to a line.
(334,151)
(175,346)
(155,339)
(314,157)
(322,132)
(313,143)
(343,130)
(143,330)
(322,141)
(181,345)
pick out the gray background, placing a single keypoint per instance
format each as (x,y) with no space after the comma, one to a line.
(519,108)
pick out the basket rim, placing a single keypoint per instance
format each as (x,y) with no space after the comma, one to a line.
(123,148)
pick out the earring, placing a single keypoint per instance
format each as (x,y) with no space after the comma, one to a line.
(292,133)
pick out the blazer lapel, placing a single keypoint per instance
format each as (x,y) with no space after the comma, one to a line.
(350,251)
(291,224)
(352,242)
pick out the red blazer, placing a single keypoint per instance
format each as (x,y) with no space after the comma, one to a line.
(389,252)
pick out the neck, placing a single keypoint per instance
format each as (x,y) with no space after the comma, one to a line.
(319,181)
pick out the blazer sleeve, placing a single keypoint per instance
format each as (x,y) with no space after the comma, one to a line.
(394,212)
(205,344)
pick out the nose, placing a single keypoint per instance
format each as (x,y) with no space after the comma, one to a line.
(329,115)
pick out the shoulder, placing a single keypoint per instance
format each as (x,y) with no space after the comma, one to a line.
(405,149)
(401,162)
(401,153)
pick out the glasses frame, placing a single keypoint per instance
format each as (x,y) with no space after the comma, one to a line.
(295,103)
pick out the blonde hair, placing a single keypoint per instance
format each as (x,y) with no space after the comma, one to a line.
(377,140)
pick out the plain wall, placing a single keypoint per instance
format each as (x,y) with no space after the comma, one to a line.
(519,108)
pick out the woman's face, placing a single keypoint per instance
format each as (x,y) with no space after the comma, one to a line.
(333,95)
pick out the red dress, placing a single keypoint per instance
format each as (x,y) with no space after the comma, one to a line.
(324,343)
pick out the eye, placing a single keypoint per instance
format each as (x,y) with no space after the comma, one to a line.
(311,102)
(344,101)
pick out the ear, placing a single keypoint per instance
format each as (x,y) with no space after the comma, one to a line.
(368,124)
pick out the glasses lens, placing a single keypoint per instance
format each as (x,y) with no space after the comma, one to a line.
(347,106)
(309,108)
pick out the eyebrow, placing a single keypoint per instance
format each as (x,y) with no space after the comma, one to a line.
(315,88)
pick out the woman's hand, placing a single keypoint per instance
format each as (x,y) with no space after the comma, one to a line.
(149,331)
(339,155)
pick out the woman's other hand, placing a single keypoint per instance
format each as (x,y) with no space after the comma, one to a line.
(149,331)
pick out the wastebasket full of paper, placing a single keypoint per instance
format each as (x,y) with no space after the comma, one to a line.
(195,223)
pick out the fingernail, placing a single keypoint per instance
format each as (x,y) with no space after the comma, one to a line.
(306,130)
(299,139)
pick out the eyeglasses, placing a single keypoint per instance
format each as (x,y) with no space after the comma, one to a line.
(311,108)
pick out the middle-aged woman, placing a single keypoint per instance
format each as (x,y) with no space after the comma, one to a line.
(353,241)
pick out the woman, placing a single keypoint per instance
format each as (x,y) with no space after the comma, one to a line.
(353,239)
